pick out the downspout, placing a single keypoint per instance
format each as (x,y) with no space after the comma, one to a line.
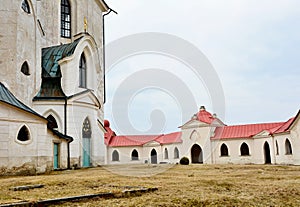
(68,141)
(103,50)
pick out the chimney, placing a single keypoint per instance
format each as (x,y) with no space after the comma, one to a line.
(202,108)
(214,115)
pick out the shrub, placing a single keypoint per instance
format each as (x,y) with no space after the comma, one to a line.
(184,161)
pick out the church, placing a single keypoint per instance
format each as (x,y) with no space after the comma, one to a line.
(205,139)
(51,85)
(52,94)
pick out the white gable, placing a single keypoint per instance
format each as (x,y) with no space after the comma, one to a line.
(86,99)
(151,144)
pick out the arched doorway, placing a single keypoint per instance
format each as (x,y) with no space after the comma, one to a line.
(196,154)
(86,143)
(153,156)
(267,153)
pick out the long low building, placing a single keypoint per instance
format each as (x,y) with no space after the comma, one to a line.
(206,139)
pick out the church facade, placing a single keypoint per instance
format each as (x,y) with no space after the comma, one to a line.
(52,84)
(205,139)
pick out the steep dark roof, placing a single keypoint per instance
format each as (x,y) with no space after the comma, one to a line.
(7,97)
(51,73)
(51,56)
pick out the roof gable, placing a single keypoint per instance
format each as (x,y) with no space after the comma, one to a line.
(85,97)
(52,55)
(7,97)
(243,131)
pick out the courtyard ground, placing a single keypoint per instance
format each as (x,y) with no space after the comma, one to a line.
(192,185)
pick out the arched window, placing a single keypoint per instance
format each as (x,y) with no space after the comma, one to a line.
(166,154)
(86,128)
(277,148)
(244,149)
(115,155)
(82,71)
(224,150)
(65,22)
(176,153)
(23,134)
(25,68)
(288,147)
(52,124)
(25,6)
(134,155)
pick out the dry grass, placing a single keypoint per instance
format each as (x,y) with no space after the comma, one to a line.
(193,185)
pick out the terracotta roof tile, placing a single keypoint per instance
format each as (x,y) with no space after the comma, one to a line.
(243,131)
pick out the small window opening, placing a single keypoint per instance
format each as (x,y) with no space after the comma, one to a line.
(23,134)
(82,71)
(115,155)
(224,150)
(25,6)
(25,68)
(244,149)
(134,155)
(277,148)
(52,124)
(176,153)
(288,147)
(166,154)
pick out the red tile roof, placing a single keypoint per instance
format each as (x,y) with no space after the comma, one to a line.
(139,140)
(223,132)
(169,138)
(205,116)
(249,130)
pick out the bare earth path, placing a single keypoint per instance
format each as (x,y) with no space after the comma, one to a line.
(193,185)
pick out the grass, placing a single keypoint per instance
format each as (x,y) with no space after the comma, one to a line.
(192,185)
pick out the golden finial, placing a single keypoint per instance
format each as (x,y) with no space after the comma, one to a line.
(85,24)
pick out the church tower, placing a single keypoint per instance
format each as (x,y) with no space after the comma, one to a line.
(51,59)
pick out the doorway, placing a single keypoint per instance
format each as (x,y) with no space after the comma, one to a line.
(197,154)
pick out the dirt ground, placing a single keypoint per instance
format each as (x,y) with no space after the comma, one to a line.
(192,185)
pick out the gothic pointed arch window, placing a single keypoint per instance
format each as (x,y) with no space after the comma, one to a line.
(176,153)
(224,150)
(65,21)
(86,128)
(25,6)
(82,71)
(134,155)
(23,134)
(52,124)
(244,149)
(115,156)
(25,68)
(166,153)
(288,147)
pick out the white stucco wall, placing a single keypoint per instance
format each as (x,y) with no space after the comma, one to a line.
(37,152)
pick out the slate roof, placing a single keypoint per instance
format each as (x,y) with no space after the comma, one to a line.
(7,97)
(51,56)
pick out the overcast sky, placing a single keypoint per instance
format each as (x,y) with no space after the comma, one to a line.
(253,46)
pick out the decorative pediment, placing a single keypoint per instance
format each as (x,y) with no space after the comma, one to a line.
(263,133)
(151,144)
(193,124)
(86,98)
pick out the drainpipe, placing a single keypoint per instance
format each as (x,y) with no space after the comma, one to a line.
(68,144)
(103,49)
